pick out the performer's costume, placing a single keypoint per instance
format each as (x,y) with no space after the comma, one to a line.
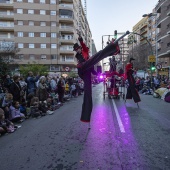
(112,64)
(131,90)
(85,68)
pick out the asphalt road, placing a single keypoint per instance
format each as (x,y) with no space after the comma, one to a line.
(122,137)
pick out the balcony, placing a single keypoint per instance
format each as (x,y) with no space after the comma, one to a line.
(66,49)
(67,39)
(66,28)
(65,1)
(5,16)
(6,4)
(66,18)
(66,6)
(168,14)
(6,27)
(159,4)
(143,31)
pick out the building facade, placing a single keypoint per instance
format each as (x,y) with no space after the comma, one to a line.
(44,31)
(163,32)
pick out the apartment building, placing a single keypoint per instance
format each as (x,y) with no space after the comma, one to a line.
(163,33)
(44,31)
(141,29)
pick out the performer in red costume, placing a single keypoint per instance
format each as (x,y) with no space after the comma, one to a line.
(131,90)
(85,68)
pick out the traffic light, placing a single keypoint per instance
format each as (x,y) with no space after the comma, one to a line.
(153,68)
(115,34)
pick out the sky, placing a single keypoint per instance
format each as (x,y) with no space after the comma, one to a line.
(105,16)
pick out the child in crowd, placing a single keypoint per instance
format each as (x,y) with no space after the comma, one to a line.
(67,88)
(15,114)
(23,109)
(6,103)
(50,105)
(34,107)
(5,125)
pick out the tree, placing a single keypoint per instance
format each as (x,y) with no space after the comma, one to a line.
(35,68)
(140,53)
(8,52)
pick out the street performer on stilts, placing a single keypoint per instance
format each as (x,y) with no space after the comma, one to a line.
(85,67)
(131,90)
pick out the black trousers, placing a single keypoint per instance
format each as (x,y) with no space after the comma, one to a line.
(131,90)
(85,74)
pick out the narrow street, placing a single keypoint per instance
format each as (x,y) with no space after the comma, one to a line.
(122,137)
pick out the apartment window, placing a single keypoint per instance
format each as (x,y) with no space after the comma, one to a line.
(53,35)
(42,1)
(32,57)
(43,34)
(42,12)
(30,1)
(43,45)
(31,23)
(42,23)
(20,22)
(43,57)
(31,45)
(53,12)
(21,56)
(69,58)
(19,11)
(31,34)
(20,45)
(53,24)
(53,57)
(19,0)
(53,46)
(30,11)
(20,34)
(52,1)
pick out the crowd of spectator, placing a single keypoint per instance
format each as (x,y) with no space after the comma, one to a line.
(149,85)
(33,96)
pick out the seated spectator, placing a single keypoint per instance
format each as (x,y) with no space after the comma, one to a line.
(5,125)
(34,107)
(6,103)
(73,90)
(81,84)
(50,106)
(14,113)
(23,109)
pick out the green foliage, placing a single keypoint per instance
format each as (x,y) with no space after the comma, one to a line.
(4,68)
(72,74)
(35,68)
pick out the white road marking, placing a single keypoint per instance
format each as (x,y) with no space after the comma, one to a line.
(118,117)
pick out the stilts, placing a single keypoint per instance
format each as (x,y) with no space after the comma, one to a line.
(137,105)
(89,126)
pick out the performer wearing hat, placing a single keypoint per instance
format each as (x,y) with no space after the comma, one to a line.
(131,90)
(85,68)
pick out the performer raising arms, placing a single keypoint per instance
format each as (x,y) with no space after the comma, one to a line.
(85,68)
